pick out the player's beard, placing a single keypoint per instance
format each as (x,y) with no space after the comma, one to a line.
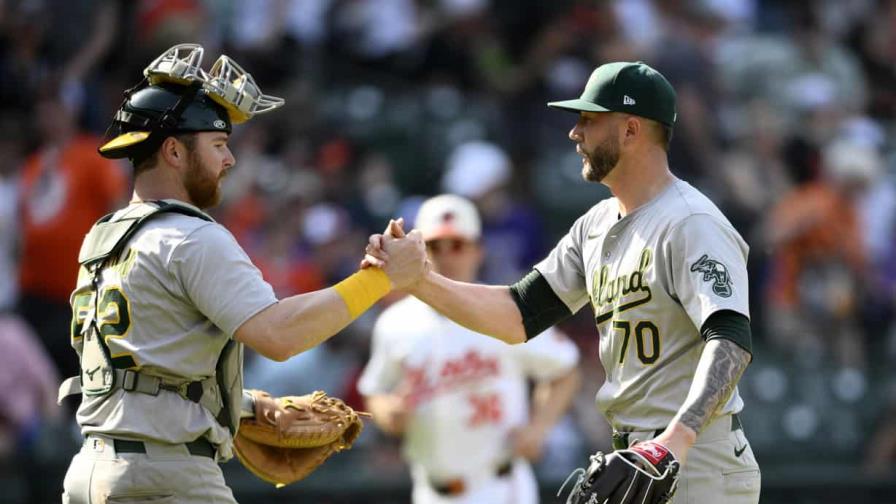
(202,185)
(601,160)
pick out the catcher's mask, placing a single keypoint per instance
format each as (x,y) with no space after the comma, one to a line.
(177,96)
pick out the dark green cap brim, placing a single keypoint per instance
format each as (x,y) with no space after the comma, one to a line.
(578,105)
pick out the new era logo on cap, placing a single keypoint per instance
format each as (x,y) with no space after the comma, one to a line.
(628,100)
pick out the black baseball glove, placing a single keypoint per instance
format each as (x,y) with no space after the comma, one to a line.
(645,473)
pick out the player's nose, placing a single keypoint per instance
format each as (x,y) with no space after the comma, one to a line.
(575,134)
(229,159)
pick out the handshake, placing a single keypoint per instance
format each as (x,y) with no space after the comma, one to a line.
(401,256)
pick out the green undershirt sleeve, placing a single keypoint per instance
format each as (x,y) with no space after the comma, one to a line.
(539,305)
(730,325)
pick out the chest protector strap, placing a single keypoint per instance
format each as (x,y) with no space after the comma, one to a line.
(103,244)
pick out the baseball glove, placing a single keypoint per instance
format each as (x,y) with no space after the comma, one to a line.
(291,436)
(646,473)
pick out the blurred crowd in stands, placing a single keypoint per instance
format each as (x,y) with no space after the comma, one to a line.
(786,116)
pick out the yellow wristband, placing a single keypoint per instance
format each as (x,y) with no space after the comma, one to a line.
(361,290)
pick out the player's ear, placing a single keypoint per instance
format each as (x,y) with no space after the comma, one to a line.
(173,152)
(633,128)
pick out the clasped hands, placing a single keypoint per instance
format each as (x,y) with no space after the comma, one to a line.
(402,256)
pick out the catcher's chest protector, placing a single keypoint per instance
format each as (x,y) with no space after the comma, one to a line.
(104,243)
(229,372)
(97,375)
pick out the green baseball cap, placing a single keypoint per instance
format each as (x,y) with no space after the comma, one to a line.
(622,86)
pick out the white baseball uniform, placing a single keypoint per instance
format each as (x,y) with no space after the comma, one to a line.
(467,393)
(653,277)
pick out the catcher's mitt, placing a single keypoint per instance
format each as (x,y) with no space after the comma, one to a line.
(644,473)
(291,436)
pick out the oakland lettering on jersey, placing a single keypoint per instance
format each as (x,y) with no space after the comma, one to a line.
(609,293)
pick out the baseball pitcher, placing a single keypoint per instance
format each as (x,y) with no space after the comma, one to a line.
(665,275)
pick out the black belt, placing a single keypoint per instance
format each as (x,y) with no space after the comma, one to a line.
(620,439)
(201,447)
(458,486)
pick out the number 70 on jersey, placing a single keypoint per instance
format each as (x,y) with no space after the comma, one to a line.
(646,336)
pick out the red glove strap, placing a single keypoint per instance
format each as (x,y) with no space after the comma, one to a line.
(652,451)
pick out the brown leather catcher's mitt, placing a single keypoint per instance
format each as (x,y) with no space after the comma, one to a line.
(291,436)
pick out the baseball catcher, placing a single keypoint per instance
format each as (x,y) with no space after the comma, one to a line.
(645,473)
(166,301)
(289,437)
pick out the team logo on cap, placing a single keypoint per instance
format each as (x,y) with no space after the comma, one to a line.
(220,124)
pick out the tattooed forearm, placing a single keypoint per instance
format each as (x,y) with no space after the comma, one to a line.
(721,365)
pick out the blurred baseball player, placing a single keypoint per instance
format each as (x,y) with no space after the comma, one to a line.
(460,399)
(166,297)
(665,274)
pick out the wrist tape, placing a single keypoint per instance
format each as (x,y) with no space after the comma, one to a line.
(362,289)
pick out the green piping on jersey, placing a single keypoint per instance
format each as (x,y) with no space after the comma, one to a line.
(610,293)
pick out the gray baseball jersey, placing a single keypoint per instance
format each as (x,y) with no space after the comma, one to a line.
(653,277)
(180,290)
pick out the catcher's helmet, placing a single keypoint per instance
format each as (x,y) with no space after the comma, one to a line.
(178,96)
(155,112)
